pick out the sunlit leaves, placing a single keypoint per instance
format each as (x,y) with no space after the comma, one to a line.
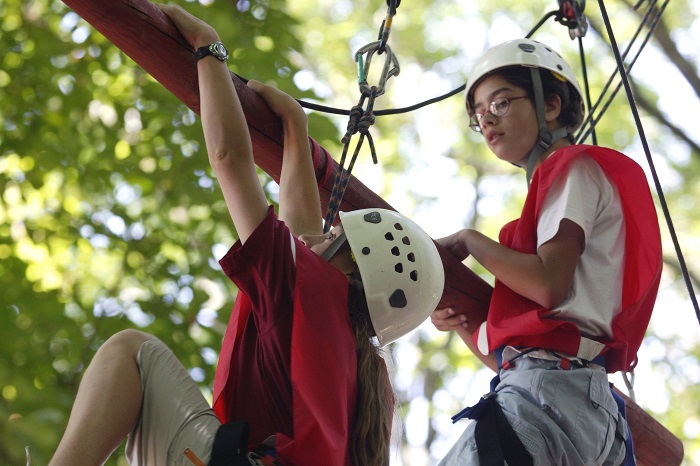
(110,216)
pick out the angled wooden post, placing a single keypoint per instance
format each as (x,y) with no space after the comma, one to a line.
(148,37)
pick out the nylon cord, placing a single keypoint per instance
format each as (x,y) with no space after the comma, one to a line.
(592,121)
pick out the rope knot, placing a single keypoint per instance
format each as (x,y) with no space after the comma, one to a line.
(366,121)
(354,119)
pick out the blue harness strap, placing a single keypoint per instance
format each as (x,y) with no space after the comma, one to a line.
(630,457)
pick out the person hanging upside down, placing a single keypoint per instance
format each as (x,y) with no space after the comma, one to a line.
(576,276)
(301,360)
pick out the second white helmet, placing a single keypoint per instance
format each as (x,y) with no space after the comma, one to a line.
(401,269)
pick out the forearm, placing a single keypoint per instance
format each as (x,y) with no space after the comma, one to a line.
(300,203)
(223,121)
(544,281)
(489,360)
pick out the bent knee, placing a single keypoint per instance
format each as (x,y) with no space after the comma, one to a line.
(126,341)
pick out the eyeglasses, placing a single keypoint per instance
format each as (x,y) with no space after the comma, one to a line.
(498,107)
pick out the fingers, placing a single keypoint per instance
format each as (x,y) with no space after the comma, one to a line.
(193,29)
(446,319)
(269,93)
(257,86)
(282,104)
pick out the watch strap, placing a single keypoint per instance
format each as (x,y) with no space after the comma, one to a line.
(215,49)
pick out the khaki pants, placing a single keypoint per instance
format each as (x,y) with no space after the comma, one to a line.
(174,413)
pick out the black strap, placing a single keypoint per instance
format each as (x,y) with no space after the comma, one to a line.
(496,440)
(230,444)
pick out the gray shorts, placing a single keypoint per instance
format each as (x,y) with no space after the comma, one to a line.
(563,418)
(174,413)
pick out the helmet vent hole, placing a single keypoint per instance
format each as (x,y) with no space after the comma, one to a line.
(399,267)
(398,226)
(411,257)
(405,240)
(395,251)
(389,237)
(414,275)
(365,251)
(398,299)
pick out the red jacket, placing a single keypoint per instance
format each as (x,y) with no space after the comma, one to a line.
(517,321)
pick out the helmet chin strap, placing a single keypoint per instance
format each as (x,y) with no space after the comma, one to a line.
(334,246)
(546,137)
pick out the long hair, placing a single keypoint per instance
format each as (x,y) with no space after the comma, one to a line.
(371,431)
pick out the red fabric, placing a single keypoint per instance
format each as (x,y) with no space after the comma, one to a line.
(302,385)
(223,390)
(515,320)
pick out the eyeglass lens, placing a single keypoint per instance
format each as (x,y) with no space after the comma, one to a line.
(498,107)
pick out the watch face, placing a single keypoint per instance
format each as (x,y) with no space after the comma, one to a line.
(219,51)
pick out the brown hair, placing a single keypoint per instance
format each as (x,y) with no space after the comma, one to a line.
(371,431)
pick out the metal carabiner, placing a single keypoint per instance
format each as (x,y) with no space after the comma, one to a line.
(573,17)
(391,67)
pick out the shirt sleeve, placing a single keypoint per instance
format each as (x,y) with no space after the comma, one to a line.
(575,195)
(263,268)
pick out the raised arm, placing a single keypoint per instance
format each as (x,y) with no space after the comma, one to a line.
(300,203)
(225,129)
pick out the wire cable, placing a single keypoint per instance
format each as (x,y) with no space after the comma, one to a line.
(647,152)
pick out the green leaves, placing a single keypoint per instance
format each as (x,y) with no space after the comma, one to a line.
(110,217)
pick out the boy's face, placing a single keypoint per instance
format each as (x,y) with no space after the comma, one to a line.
(512,135)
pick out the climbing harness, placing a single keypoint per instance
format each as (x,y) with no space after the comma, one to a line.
(361,118)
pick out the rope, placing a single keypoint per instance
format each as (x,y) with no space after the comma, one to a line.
(586,86)
(395,111)
(647,152)
(360,121)
(343,175)
(590,120)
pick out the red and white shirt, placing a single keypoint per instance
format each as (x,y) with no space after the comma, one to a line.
(620,317)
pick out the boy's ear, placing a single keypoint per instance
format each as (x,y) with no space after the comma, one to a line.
(552,108)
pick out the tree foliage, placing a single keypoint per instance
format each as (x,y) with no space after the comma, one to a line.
(110,217)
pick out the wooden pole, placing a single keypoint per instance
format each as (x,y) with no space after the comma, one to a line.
(148,37)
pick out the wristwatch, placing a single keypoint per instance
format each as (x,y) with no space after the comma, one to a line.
(216,49)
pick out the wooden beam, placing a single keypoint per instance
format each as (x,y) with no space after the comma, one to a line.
(653,443)
(148,37)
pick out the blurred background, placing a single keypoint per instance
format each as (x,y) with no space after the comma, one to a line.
(110,217)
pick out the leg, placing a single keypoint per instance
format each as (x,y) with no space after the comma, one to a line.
(107,405)
(174,414)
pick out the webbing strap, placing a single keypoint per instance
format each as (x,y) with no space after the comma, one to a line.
(630,457)
(230,444)
(496,440)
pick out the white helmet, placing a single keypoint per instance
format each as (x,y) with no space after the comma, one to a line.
(528,53)
(401,270)
(537,57)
